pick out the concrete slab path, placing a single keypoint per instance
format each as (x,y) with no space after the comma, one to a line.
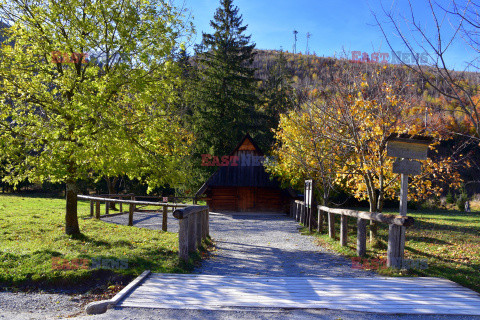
(262,261)
(381,295)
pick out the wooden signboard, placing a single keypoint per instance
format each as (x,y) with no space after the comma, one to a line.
(402,146)
(406,166)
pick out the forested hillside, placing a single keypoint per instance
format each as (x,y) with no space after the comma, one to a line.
(308,71)
(310,77)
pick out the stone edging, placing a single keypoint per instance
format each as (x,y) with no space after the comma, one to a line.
(98,307)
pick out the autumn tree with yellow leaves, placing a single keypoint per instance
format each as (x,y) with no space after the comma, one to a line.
(339,137)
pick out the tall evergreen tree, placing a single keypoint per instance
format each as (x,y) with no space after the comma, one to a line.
(278,96)
(227,92)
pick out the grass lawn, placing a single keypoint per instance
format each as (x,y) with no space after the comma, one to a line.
(34,247)
(448,239)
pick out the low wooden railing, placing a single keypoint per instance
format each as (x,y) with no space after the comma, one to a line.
(130,196)
(193,220)
(193,229)
(397,226)
(96,201)
(174,199)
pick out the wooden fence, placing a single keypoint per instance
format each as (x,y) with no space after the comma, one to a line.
(193,219)
(397,226)
(172,199)
(96,201)
(193,228)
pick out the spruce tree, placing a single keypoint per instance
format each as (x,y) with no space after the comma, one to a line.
(277,96)
(227,93)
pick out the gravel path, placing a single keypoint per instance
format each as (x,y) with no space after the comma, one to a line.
(149,220)
(270,245)
(258,244)
(38,305)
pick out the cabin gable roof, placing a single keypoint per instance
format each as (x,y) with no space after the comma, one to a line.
(244,171)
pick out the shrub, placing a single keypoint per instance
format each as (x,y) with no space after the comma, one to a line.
(450,198)
(462,199)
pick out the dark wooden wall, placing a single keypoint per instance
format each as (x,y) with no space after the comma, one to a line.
(247,199)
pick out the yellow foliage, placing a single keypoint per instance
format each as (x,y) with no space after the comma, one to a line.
(340,140)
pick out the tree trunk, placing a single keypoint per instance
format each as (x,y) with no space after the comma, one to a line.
(111,189)
(379,209)
(373,231)
(71,218)
(373,224)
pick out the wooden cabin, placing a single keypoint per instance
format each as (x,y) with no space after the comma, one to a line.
(243,184)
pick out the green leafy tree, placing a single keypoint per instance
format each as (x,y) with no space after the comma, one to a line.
(227,91)
(67,116)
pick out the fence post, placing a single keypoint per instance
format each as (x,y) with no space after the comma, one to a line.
(121,205)
(183,239)
(164,218)
(343,230)
(396,246)
(97,209)
(310,218)
(297,213)
(107,207)
(192,237)
(198,231)
(130,214)
(300,214)
(320,220)
(207,213)
(361,237)
(92,208)
(204,224)
(302,220)
(331,225)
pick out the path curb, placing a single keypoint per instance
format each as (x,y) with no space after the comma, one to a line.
(98,307)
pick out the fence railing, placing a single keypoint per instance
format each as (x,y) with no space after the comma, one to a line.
(96,201)
(397,226)
(174,199)
(193,228)
(193,220)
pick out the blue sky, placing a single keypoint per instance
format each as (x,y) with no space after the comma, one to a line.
(335,25)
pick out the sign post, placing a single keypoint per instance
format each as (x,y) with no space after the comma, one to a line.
(309,204)
(404,148)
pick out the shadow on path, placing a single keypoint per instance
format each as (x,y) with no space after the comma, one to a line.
(270,245)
